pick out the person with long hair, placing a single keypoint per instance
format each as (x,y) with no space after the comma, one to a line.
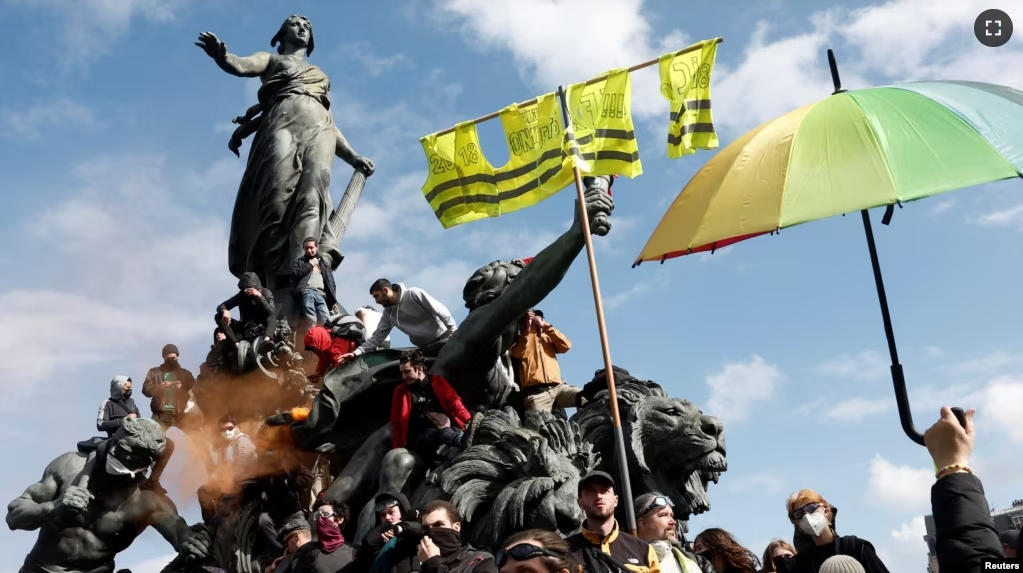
(536,551)
(777,551)
(724,552)
(813,519)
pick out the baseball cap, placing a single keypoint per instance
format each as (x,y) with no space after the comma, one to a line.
(593,477)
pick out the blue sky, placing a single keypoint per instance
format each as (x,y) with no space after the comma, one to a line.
(118,188)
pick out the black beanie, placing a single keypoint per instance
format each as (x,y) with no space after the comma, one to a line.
(170,349)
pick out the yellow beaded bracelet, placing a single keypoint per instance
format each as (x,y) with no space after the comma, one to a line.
(952,468)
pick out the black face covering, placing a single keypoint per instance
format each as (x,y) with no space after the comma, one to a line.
(126,394)
(447,540)
(171,362)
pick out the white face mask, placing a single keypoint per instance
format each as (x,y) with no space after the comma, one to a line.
(813,523)
(230,434)
(661,548)
(116,468)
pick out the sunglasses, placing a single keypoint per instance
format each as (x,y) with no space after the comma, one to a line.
(384,505)
(808,508)
(523,552)
(659,501)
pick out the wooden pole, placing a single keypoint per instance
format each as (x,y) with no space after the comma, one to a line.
(640,66)
(623,463)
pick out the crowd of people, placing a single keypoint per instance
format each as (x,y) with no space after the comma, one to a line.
(305,526)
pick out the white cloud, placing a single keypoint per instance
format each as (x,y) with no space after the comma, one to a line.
(899,488)
(988,365)
(905,549)
(737,387)
(1001,404)
(941,206)
(855,409)
(375,65)
(1011,217)
(762,483)
(865,366)
(61,112)
(934,351)
(92,27)
(547,53)
(619,299)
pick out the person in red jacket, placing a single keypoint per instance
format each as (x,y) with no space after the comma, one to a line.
(328,348)
(426,413)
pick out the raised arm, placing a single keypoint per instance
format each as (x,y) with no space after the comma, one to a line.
(543,274)
(343,150)
(241,66)
(378,337)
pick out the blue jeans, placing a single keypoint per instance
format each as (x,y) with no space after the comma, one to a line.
(314,306)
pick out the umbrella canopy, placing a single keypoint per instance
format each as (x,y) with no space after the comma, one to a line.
(852,151)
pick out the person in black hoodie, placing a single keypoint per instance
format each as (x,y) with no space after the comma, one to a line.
(117,407)
(395,540)
(256,312)
(442,550)
(965,535)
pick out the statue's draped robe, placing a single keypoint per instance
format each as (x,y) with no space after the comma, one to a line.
(284,195)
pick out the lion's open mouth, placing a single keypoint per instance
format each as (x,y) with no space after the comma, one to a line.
(707,469)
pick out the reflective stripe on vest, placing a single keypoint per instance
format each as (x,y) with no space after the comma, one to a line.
(460,183)
(536,168)
(685,82)
(602,141)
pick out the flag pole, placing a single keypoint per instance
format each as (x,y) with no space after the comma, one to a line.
(623,462)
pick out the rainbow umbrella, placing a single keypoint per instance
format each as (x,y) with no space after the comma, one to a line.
(850,152)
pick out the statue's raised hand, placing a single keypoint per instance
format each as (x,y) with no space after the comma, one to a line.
(212,45)
(598,204)
(364,164)
(196,544)
(74,503)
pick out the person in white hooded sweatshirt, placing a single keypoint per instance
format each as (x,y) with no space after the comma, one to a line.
(426,321)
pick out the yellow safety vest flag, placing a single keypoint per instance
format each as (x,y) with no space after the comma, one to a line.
(685,82)
(460,183)
(536,167)
(603,141)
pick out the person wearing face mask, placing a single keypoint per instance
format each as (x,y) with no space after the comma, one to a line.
(167,386)
(601,546)
(536,551)
(813,519)
(724,552)
(442,550)
(233,460)
(778,557)
(114,410)
(393,545)
(329,553)
(655,524)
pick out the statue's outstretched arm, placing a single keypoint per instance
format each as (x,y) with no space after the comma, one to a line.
(241,66)
(544,272)
(35,507)
(344,151)
(163,516)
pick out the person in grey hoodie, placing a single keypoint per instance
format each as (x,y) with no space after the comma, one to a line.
(117,407)
(426,321)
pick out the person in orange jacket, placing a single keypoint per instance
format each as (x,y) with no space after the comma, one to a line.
(426,412)
(536,349)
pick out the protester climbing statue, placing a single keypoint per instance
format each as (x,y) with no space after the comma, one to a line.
(284,194)
(88,506)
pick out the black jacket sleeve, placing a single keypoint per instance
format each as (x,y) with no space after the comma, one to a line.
(300,267)
(870,561)
(433,565)
(964,531)
(103,421)
(151,385)
(230,303)
(488,565)
(187,380)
